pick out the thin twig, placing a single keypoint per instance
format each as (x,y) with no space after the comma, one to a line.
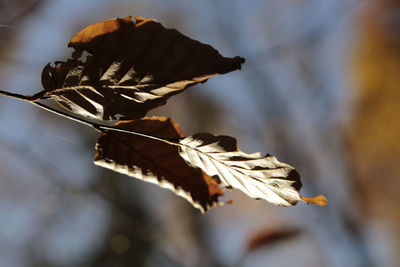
(27,98)
(103,127)
(97,126)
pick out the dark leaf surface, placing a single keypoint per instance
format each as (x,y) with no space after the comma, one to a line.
(156,162)
(132,67)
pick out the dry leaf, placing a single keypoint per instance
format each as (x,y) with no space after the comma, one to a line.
(156,162)
(260,177)
(132,68)
(271,237)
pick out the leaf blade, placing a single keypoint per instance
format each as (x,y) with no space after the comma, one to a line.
(260,177)
(134,67)
(156,162)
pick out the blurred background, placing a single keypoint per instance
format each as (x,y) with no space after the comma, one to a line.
(320,90)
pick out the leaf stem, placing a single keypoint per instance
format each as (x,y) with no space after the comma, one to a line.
(97,126)
(112,128)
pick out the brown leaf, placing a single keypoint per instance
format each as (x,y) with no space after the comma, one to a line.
(271,237)
(258,176)
(132,68)
(155,161)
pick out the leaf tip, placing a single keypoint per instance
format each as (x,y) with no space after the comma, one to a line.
(240,60)
(319,200)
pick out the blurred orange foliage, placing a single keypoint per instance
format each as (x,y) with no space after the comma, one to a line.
(374,129)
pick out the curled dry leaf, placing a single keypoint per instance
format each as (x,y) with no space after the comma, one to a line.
(155,161)
(173,162)
(132,67)
(260,177)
